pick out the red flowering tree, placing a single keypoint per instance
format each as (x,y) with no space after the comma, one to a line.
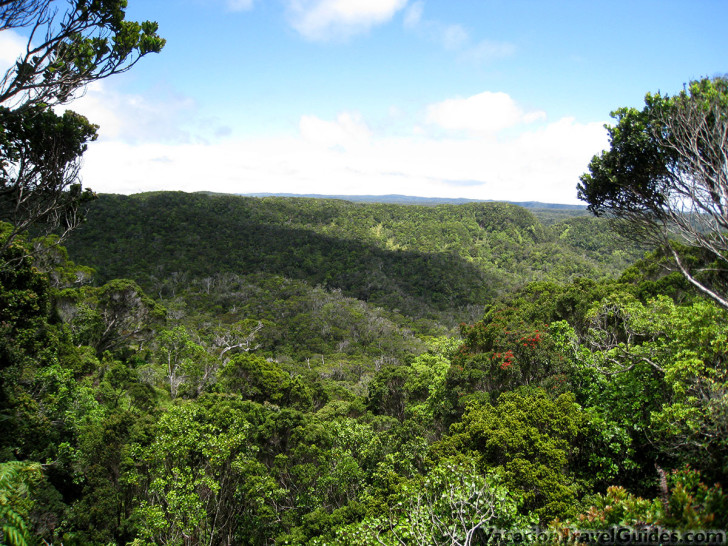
(501,353)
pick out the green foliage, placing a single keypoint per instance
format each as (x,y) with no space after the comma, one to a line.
(256,379)
(509,353)
(16,479)
(387,392)
(52,259)
(249,407)
(86,41)
(502,352)
(685,503)
(39,155)
(425,262)
(200,478)
(630,176)
(428,379)
(668,374)
(110,317)
(181,357)
(453,504)
(530,439)
(24,304)
(635,175)
(288,319)
(40,150)
(664,176)
(658,274)
(594,239)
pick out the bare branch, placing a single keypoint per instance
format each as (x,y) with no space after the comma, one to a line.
(666,176)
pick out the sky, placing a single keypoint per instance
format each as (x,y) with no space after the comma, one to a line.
(483,99)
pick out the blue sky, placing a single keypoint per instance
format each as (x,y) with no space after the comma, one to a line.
(484,99)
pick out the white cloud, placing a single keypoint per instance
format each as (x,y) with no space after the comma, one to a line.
(347,132)
(413,15)
(322,20)
(144,147)
(485,114)
(12,45)
(454,37)
(167,117)
(486,51)
(343,156)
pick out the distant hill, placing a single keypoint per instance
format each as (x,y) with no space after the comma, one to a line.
(425,201)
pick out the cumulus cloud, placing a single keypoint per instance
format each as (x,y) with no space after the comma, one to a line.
(343,156)
(485,114)
(12,45)
(144,147)
(321,20)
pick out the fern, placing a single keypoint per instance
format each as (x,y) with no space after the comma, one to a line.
(15,480)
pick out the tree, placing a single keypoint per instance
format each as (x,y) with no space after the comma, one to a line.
(181,356)
(199,482)
(68,49)
(40,150)
(665,177)
(531,440)
(110,317)
(40,155)
(454,504)
(686,502)
(667,383)
(256,379)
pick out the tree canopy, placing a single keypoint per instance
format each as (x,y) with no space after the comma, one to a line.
(250,408)
(69,45)
(665,176)
(294,374)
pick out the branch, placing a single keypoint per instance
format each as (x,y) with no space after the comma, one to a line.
(704,289)
(90,43)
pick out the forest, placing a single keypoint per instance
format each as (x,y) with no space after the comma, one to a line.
(200,368)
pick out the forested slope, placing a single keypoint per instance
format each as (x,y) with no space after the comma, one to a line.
(426,262)
(251,406)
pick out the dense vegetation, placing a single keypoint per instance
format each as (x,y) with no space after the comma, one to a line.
(425,262)
(665,176)
(223,376)
(227,370)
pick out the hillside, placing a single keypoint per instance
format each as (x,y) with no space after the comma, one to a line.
(293,365)
(394,199)
(440,262)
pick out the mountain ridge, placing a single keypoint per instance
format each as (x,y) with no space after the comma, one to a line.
(394,198)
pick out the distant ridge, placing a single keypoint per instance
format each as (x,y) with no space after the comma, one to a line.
(413,200)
